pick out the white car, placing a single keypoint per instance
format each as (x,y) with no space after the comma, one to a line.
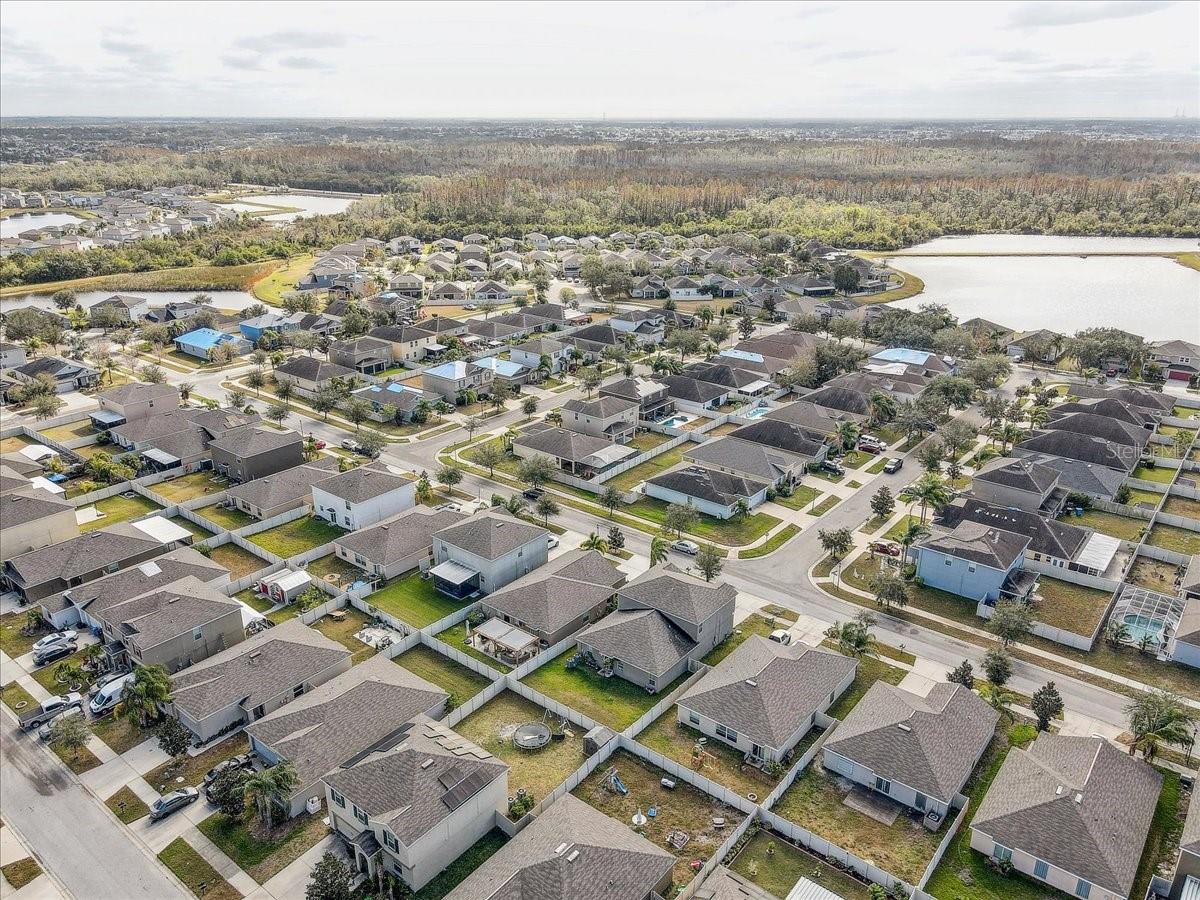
(59,637)
(691,548)
(352,445)
(780,636)
(552,541)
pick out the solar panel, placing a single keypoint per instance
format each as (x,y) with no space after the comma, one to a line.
(387,742)
(450,777)
(466,789)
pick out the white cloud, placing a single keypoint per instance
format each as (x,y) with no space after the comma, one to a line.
(1036,15)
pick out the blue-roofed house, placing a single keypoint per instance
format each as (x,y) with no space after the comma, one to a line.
(401,396)
(203,341)
(511,373)
(924,359)
(253,329)
(451,379)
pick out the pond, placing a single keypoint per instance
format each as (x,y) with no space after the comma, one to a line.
(14,225)
(235,300)
(1152,296)
(309,204)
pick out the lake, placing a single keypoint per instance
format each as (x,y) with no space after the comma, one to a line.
(309,204)
(1151,296)
(14,225)
(236,300)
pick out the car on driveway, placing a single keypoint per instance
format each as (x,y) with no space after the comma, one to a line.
(173,802)
(552,542)
(48,710)
(780,636)
(836,468)
(55,651)
(885,548)
(241,761)
(691,548)
(352,445)
(59,637)
(894,465)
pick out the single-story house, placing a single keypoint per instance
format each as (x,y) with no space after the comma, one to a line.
(581,455)
(68,375)
(711,491)
(397,544)
(283,491)
(757,462)
(203,341)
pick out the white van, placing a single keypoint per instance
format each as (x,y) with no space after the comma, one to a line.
(110,695)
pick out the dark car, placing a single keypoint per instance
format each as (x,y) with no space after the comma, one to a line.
(241,761)
(533,493)
(836,468)
(53,652)
(173,802)
(894,465)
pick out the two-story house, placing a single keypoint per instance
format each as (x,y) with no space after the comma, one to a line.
(976,561)
(486,552)
(253,451)
(131,402)
(653,397)
(363,496)
(609,417)
(451,380)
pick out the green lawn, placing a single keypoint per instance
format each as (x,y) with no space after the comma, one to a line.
(20,872)
(1162,844)
(801,498)
(876,467)
(778,872)
(825,505)
(456,680)
(120,509)
(870,670)
(1160,474)
(120,734)
(1122,527)
(343,629)
(189,487)
(456,637)
(342,572)
(1072,607)
(259,852)
(1170,537)
(414,600)
(733,532)
(1139,496)
(45,675)
(826,475)
(226,519)
(127,806)
(13,640)
(13,695)
(773,543)
(894,533)
(191,769)
(239,562)
(536,771)
(199,532)
(613,701)
(193,870)
(754,623)
(70,431)
(626,481)
(648,440)
(295,537)
(855,459)
(468,862)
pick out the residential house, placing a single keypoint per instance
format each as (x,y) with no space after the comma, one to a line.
(1078,476)
(505,372)
(1072,812)
(68,375)
(339,721)
(648,326)
(201,342)
(1045,346)
(917,750)
(649,287)
(1115,431)
(612,418)
(537,240)
(486,552)
(750,460)
(530,353)
(34,518)
(447,293)
(409,285)
(253,451)
(743,382)
(569,852)
(283,491)
(405,244)
(131,402)
(410,343)
(254,678)
(452,380)
(928,362)
(557,599)
(684,288)
(780,435)
(308,375)
(1110,408)
(1179,360)
(493,292)
(404,400)
(397,544)
(664,617)
(366,355)
(415,803)
(974,560)
(119,309)
(1183,646)
(12,355)
(765,697)
(1086,448)
(178,439)
(270,323)
(651,395)
(818,422)
(444,327)
(710,491)
(694,396)
(581,455)
(1020,483)
(1154,403)
(363,496)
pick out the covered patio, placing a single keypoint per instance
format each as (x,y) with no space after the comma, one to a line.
(507,643)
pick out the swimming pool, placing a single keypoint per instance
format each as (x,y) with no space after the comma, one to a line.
(676,421)
(1140,626)
(757,413)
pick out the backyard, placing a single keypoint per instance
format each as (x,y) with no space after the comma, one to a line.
(199,532)
(778,872)
(260,852)
(1122,527)
(189,487)
(1071,607)
(683,808)
(1154,575)
(225,518)
(537,772)
(119,509)
(414,600)
(630,478)
(297,536)
(239,562)
(456,637)
(341,626)
(1171,537)
(333,570)
(455,873)
(613,701)
(456,680)
(1159,474)
(70,431)
(15,442)
(1183,506)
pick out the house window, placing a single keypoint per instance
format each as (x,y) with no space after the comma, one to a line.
(728,733)
(1041,868)
(948,562)
(883,785)
(970,567)
(337,798)
(1002,853)
(360,815)
(693,718)
(1082,888)
(197,634)
(297,691)
(389,841)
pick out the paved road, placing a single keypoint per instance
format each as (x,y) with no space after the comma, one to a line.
(77,839)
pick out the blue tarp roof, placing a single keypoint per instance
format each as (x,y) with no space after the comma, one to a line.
(903,355)
(203,337)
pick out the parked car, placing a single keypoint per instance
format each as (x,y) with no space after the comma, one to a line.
(59,637)
(352,445)
(780,636)
(55,651)
(691,548)
(533,493)
(109,696)
(320,445)
(864,447)
(49,709)
(173,802)
(894,465)
(102,681)
(470,306)
(836,468)
(241,761)
(886,548)
(552,542)
(44,731)
(872,440)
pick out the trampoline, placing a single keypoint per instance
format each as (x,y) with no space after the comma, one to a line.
(531,736)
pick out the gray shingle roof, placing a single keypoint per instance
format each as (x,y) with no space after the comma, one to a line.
(1045,535)
(1152,401)
(255,670)
(574,446)
(1084,447)
(709,484)
(559,592)
(1110,407)
(766,691)
(1020,474)
(285,486)
(572,851)
(816,420)
(929,743)
(979,543)
(29,504)
(645,639)
(756,460)
(490,535)
(399,537)
(418,783)
(366,482)
(683,387)
(136,392)
(97,596)
(88,552)
(1078,803)
(1077,475)
(1113,430)
(677,594)
(311,368)
(167,612)
(250,440)
(347,714)
(601,407)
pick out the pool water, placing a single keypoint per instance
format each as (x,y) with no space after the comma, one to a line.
(757,413)
(1143,626)
(676,421)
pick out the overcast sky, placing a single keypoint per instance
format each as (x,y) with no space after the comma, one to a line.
(1106,58)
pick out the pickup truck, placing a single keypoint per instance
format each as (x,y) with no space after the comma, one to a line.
(48,710)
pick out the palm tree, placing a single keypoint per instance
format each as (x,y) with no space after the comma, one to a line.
(143,694)
(1156,718)
(881,408)
(1006,433)
(911,534)
(659,547)
(847,435)
(270,787)
(594,542)
(929,490)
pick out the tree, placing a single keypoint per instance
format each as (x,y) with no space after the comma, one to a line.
(836,542)
(529,406)
(963,673)
(284,391)
(63,300)
(535,471)
(173,738)
(883,504)
(449,476)
(256,379)
(610,499)
(1011,620)
(372,443)
(616,538)
(931,456)
(853,638)
(143,694)
(847,435)
(152,374)
(271,787)
(928,490)
(957,437)
(890,590)
(276,413)
(330,879)
(594,542)
(1158,717)
(686,341)
(708,561)
(357,411)
(1046,704)
(46,406)
(845,279)
(746,326)
(659,548)
(70,733)
(546,507)
(997,666)
(680,517)
(589,379)
(489,456)
(228,792)
(881,408)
